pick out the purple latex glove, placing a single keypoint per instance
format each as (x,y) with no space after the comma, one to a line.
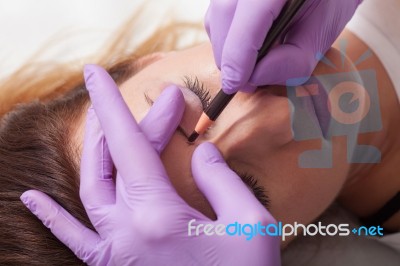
(237,29)
(142,220)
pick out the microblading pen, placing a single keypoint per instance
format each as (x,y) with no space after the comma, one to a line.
(222,99)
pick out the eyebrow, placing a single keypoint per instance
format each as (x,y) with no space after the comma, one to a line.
(150,102)
(148,99)
(265,200)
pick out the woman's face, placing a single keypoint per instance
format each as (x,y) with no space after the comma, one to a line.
(253,133)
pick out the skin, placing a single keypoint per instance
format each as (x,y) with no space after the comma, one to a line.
(255,137)
(370,186)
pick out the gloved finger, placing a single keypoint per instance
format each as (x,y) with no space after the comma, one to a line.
(81,240)
(297,57)
(97,188)
(292,60)
(133,155)
(250,25)
(164,117)
(223,188)
(218,21)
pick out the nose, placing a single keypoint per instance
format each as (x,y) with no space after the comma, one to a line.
(253,125)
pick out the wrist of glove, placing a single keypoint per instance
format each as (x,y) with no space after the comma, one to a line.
(236,39)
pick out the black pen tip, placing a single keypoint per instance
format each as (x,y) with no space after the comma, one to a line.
(193,137)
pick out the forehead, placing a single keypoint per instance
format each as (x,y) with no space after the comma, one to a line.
(197,62)
(171,69)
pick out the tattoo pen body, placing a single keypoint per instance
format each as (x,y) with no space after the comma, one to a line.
(215,108)
(222,99)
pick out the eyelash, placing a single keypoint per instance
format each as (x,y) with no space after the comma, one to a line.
(199,89)
(204,95)
(258,190)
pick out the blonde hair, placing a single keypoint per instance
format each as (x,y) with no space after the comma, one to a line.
(35,146)
(44,81)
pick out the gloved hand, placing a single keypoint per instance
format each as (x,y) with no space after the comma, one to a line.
(237,29)
(141,220)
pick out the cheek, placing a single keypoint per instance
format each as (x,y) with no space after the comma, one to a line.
(299,194)
(177,160)
(303,197)
(304,200)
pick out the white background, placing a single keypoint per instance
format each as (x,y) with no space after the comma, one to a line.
(26,26)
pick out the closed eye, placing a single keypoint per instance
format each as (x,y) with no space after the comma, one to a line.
(259,191)
(199,89)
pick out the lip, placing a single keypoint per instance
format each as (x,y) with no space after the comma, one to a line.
(319,101)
